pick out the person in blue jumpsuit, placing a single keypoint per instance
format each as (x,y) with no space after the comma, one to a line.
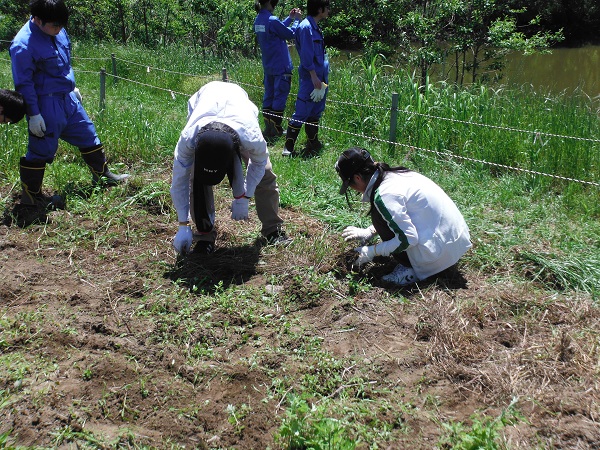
(272,35)
(313,74)
(12,106)
(42,73)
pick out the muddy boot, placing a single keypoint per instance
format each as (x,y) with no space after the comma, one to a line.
(313,145)
(290,141)
(96,160)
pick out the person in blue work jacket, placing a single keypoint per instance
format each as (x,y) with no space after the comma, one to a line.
(313,74)
(272,35)
(42,74)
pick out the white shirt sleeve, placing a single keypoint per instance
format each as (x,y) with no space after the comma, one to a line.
(180,190)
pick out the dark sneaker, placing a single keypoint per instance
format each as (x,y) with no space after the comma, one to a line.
(278,237)
(204,248)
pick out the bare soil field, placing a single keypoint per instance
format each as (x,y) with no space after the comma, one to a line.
(86,362)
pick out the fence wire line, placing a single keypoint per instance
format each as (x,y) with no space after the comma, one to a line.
(149,68)
(410,147)
(78,58)
(171,91)
(537,134)
(447,154)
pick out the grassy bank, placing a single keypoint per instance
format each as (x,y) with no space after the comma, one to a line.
(108,340)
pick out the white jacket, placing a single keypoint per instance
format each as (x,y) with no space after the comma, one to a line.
(227,103)
(425,221)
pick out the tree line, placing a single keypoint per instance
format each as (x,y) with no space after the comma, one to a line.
(475,34)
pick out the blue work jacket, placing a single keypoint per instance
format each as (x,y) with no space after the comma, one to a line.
(41,64)
(272,35)
(311,48)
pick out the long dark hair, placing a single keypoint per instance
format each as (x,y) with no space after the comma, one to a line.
(369,169)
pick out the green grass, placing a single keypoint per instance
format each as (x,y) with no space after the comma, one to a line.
(544,226)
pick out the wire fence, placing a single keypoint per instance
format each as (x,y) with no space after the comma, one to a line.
(392,109)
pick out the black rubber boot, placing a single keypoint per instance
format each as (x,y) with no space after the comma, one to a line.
(32,175)
(276,120)
(313,145)
(96,160)
(268,119)
(290,141)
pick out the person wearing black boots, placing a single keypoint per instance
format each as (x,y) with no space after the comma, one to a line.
(313,74)
(42,73)
(272,35)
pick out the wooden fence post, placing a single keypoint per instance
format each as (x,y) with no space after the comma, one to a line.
(102,88)
(224,74)
(114,67)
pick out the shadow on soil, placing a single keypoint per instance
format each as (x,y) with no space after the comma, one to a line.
(226,266)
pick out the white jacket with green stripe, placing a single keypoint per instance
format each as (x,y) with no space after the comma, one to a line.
(425,221)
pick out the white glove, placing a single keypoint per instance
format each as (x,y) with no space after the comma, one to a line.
(239,209)
(183,239)
(355,233)
(37,126)
(78,95)
(365,254)
(317,94)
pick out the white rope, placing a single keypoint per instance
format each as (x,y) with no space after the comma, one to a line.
(172,92)
(78,58)
(499,127)
(151,68)
(537,134)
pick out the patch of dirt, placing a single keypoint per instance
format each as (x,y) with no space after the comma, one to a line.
(454,346)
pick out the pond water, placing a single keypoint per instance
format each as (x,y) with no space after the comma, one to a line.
(564,70)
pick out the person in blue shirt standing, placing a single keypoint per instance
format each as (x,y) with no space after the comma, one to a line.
(272,35)
(42,73)
(313,74)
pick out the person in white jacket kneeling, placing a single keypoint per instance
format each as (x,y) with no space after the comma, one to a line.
(409,212)
(221,133)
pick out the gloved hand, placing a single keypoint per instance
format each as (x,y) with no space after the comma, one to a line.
(239,209)
(183,239)
(37,126)
(317,94)
(78,95)
(355,233)
(365,254)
